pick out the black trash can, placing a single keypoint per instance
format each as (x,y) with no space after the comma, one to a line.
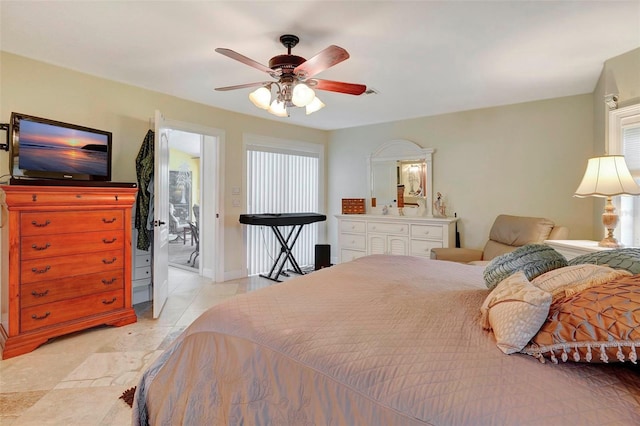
(323,256)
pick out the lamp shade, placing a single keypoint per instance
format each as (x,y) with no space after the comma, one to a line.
(278,108)
(261,97)
(315,105)
(302,95)
(607,176)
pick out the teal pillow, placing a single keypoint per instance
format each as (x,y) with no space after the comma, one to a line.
(622,258)
(532,259)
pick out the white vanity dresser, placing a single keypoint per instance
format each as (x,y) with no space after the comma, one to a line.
(398,168)
(360,235)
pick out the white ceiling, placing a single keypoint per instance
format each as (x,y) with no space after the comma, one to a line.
(423,57)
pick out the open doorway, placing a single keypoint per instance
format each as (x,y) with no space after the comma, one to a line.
(210,194)
(184,199)
(207,185)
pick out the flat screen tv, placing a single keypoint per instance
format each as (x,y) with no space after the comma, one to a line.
(48,149)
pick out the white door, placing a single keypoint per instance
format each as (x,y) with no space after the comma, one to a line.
(160,215)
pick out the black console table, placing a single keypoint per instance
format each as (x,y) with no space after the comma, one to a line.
(275,221)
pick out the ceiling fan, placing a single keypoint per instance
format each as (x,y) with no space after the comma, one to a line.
(294,83)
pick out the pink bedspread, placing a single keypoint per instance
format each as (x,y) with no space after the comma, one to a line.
(383,340)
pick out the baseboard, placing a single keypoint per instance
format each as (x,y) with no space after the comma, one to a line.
(234,275)
(142,294)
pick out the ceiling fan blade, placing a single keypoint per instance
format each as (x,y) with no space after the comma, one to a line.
(338,86)
(327,58)
(243,86)
(247,61)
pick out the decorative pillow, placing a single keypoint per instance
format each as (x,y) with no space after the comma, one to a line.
(515,310)
(569,280)
(532,259)
(623,258)
(599,324)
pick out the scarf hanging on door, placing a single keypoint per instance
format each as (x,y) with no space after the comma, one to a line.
(144,208)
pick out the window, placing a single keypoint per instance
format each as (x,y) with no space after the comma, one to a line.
(282,177)
(624,138)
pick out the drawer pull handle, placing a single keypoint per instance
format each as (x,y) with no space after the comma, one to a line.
(108,221)
(35,317)
(104,240)
(44,247)
(108,262)
(40,271)
(109,302)
(36,294)
(109,282)
(40,225)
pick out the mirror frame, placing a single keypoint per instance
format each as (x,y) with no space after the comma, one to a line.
(405,150)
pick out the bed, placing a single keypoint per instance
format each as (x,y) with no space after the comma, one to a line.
(382,340)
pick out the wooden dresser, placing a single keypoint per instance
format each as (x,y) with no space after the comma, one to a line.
(360,235)
(66,262)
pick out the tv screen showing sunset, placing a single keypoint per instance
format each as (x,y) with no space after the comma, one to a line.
(48,148)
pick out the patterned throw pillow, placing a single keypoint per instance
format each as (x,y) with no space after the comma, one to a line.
(569,280)
(623,258)
(599,324)
(515,310)
(532,259)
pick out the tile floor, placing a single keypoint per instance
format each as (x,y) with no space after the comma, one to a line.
(78,379)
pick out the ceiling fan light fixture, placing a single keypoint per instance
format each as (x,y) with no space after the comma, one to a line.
(261,97)
(315,105)
(278,109)
(295,84)
(303,95)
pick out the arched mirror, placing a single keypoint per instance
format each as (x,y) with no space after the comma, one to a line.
(402,165)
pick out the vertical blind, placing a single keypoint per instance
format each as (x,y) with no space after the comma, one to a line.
(280,181)
(630,206)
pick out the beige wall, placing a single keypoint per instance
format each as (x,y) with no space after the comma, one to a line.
(523,159)
(43,90)
(620,75)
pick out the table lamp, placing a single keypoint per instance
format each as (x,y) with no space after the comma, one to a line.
(607,177)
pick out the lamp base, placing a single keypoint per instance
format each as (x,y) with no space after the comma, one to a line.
(610,243)
(609,220)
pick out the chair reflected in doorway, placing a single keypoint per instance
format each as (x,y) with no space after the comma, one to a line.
(178,228)
(196,237)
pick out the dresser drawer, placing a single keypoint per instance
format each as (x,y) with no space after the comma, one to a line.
(353,226)
(63,222)
(70,309)
(142,272)
(423,247)
(35,270)
(353,241)
(388,228)
(426,231)
(68,196)
(37,246)
(347,255)
(142,260)
(67,288)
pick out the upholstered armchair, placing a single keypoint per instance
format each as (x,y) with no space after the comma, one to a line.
(176,227)
(507,234)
